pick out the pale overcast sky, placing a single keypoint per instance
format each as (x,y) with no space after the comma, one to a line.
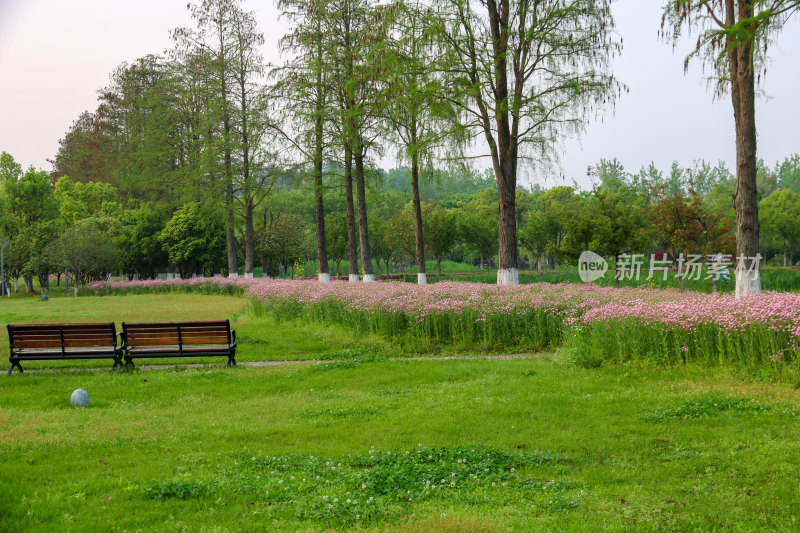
(56,55)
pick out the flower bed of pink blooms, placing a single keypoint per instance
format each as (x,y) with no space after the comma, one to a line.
(598,322)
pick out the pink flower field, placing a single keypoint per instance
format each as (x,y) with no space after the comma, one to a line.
(602,322)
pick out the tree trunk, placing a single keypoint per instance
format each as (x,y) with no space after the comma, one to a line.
(505,150)
(438,266)
(323,271)
(363,230)
(247,188)
(249,240)
(230,236)
(745,199)
(784,255)
(44,283)
(419,238)
(28,283)
(507,263)
(352,244)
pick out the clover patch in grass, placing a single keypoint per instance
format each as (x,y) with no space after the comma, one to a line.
(384,486)
(704,406)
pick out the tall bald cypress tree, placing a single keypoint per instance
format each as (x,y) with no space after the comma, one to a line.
(303,84)
(733,38)
(532,71)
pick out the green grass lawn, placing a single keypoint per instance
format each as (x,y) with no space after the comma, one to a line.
(368,444)
(259,339)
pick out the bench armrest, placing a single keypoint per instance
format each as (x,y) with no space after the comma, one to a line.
(233,338)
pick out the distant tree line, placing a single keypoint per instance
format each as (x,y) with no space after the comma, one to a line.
(94,229)
(208,138)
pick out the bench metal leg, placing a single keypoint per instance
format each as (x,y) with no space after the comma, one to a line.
(232,359)
(116,362)
(128,363)
(14,364)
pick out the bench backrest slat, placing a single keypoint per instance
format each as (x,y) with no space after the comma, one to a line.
(62,335)
(25,343)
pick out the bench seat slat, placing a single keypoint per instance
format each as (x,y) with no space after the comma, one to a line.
(80,349)
(175,349)
(28,354)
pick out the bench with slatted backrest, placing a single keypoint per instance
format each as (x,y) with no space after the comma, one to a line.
(48,342)
(178,339)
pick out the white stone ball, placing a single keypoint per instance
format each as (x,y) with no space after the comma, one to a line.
(79,398)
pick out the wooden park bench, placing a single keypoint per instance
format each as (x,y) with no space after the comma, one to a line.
(178,339)
(48,342)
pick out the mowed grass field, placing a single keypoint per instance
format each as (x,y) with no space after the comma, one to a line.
(364,443)
(258,339)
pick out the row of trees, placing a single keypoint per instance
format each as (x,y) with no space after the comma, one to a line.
(362,77)
(91,230)
(680,210)
(209,122)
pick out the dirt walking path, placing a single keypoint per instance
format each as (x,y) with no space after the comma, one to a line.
(258,364)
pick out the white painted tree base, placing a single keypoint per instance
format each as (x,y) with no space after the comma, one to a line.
(353,278)
(324,278)
(508,276)
(422,278)
(233,275)
(748,285)
(369,278)
(248,274)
